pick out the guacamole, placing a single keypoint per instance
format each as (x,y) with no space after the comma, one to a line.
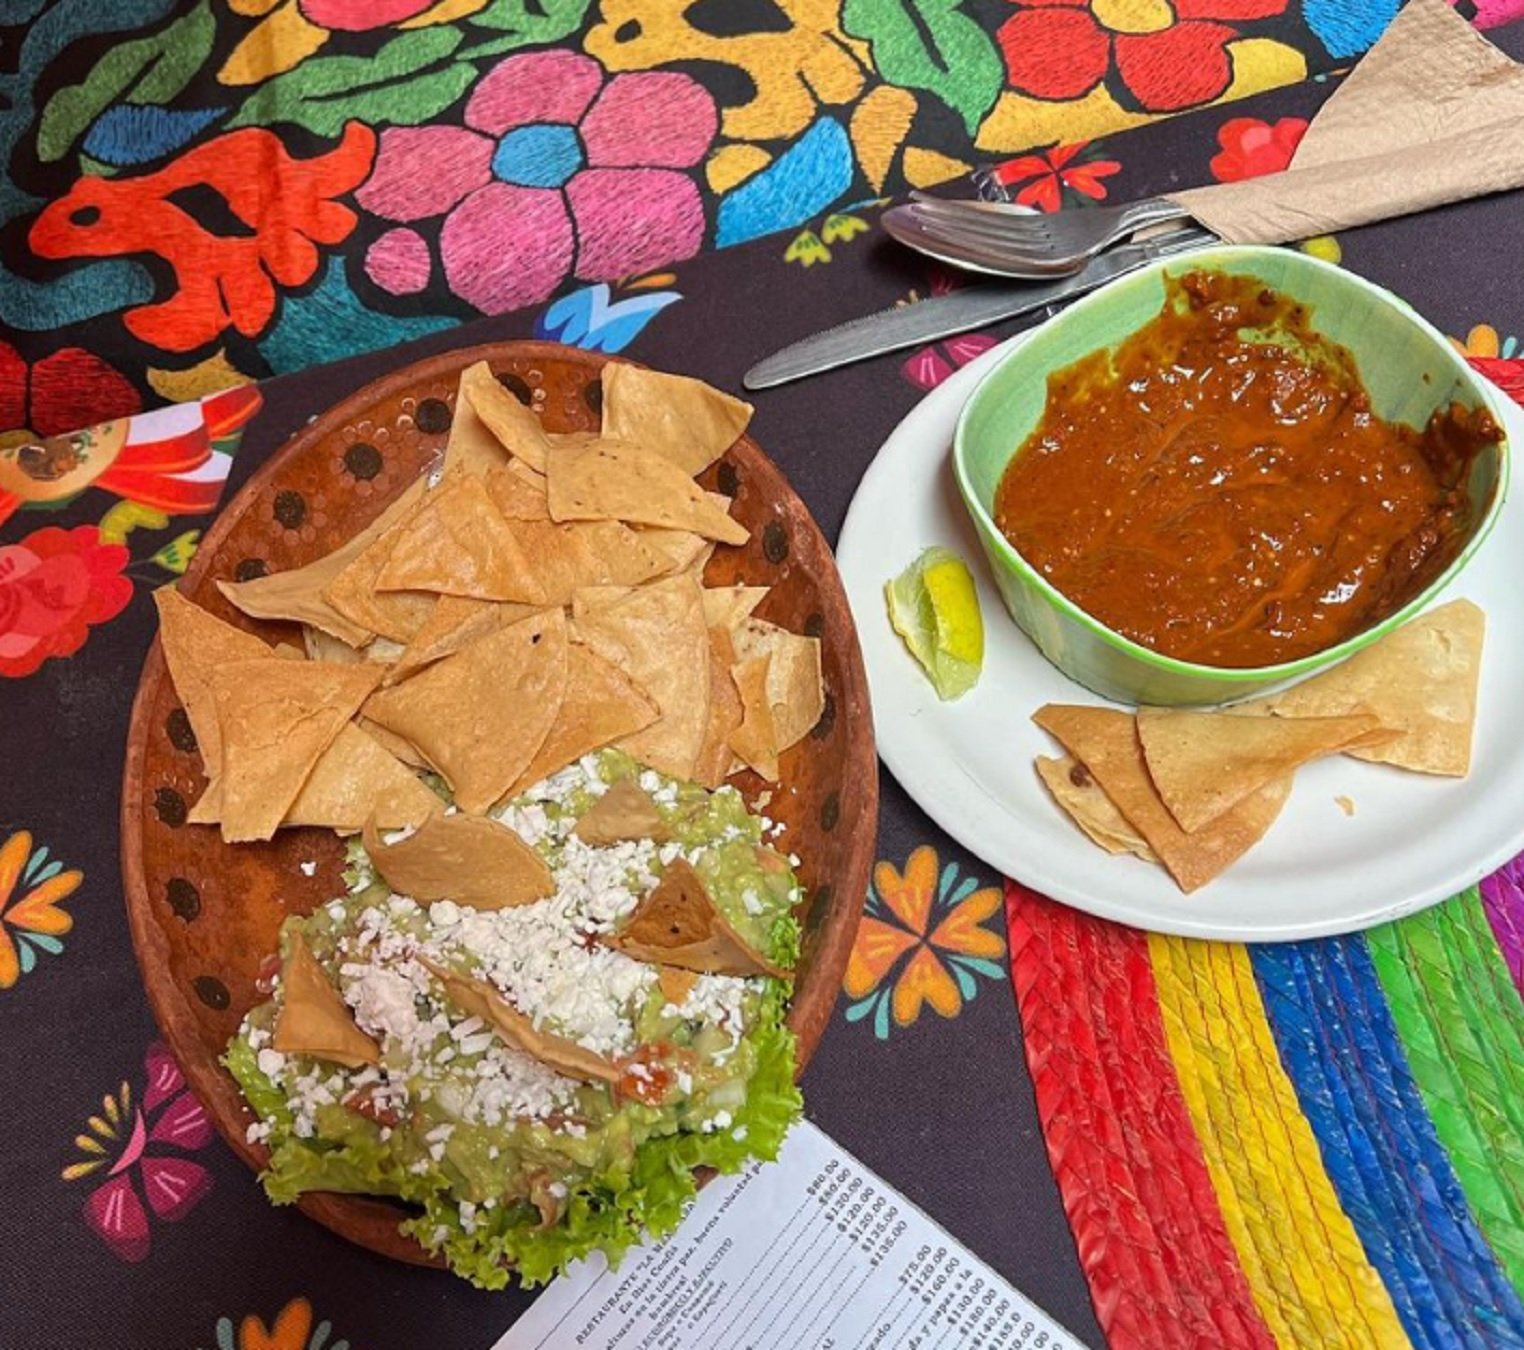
(509,1164)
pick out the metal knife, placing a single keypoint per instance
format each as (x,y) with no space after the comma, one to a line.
(960,312)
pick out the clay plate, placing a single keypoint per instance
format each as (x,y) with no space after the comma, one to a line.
(205,915)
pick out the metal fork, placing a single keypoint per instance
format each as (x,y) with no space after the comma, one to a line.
(1019,243)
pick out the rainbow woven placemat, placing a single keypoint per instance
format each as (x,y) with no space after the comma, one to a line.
(1310,1144)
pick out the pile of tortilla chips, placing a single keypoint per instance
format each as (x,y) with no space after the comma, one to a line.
(540,597)
(1196,790)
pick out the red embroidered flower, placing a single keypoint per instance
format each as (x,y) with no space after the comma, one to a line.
(69,389)
(54,585)
(1048,173)
(1168,56)
(1251,147)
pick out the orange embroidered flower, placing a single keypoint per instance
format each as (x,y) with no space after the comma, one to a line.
(292,1330)
(36,917)
(922,941)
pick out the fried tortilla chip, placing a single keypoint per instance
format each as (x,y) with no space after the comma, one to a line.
(588,598)
(277,718)
(656,636)
(518,492)
(728,606)
(320,647)
(480,715)
(602,705)
(676,984)
(1419,681)
(624,812)
(1091,809)
(452,624)
(468,859)
(612,480)
(354,780)
(513,425)
(479,998)
(313,1019)
(795,687)
(194,642)
(459,544)
(712,766)
(681,550)
(678,924)
(756,739)
(1202,763)
(1106,742)
(472,447)
(683,419)
(297,596)
(352,592)
(394,744)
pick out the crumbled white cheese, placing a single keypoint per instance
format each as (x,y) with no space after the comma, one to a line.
(271,1062)
(309,869)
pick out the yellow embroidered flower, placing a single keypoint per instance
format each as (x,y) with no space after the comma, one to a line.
(35,916)
(924,928)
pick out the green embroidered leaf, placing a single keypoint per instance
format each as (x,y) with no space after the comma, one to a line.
(533,20)
(150,70)
(176,555)
(807,250)
(395,87)
(930,45)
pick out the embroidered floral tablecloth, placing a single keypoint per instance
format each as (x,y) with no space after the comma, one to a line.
(1354,1181)
(434,160)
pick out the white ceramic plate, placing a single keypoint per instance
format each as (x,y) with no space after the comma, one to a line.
(1412,841)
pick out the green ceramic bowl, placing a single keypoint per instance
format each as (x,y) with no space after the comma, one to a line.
(1406,364)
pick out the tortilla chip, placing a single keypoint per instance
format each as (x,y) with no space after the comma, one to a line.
(683,419)
(612,480)
(518,492)
(472,447)
(354,779)
(588,598)
(479,998)
(468,859)
(678,924)
(601,705)
(1202,763)
(394,744)
(318,646)
(1106,742)
(453,623)
(277,718)
(756,739)
(1091,809)
(712,766)
(352,592)
(480,715)
(194,642)
(682,550)
(513,425)
(458,543)
(1419,681)
(297,596)
(795,687)
(624,812)
(728,606)
(313,1019)
(676,984)
(656,636)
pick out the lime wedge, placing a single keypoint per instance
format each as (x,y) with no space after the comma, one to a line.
(934,607)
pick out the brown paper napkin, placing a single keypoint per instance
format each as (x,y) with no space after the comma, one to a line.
(1434,113)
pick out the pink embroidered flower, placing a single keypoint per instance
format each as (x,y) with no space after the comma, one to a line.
(555,173)
(140,1148)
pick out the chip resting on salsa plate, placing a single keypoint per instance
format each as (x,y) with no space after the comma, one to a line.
(556,979)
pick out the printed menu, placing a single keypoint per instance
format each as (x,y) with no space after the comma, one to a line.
(811,1250)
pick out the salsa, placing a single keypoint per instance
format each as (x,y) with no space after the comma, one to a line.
(1217,488)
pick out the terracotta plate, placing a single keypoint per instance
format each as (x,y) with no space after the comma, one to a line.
(205,915)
